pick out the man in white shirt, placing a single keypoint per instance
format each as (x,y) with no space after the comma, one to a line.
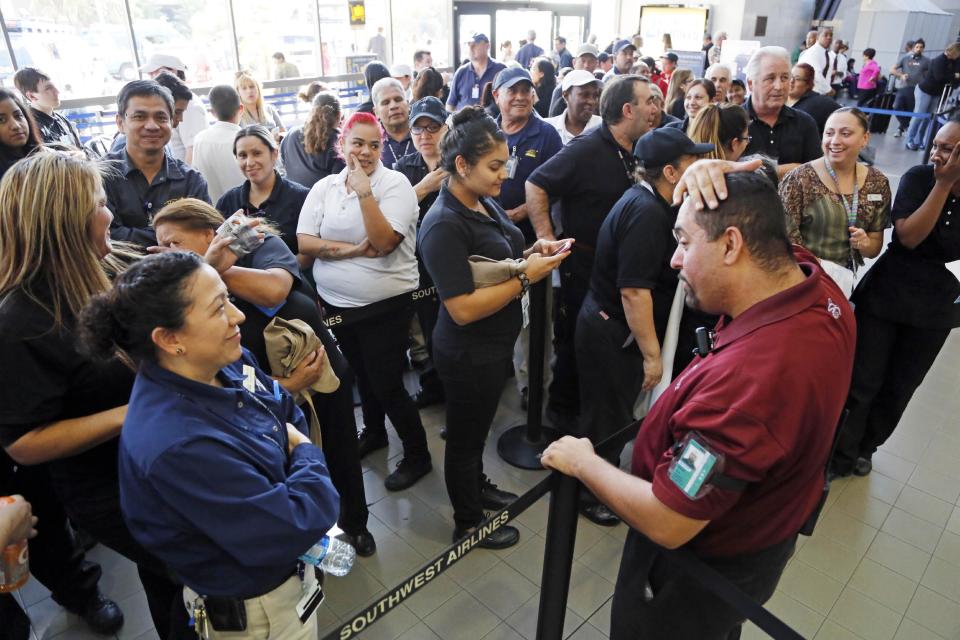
(581,91)
(818,56)
(213,148)
(194,116)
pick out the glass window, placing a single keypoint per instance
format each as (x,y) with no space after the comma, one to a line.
(55,36)
(347,49)
(422,25)
(198,33)
(265,27)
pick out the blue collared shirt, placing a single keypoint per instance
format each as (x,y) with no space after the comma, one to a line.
(134,202)
(466,87)
(207,486)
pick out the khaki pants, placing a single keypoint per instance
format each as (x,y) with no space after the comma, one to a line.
(272,616)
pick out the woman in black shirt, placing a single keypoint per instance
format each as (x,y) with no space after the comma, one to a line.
(309,153)
(56,405)
(906,304)
(19,135)
(477,328)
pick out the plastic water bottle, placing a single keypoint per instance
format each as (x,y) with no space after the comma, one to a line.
(15,564)
(333,555)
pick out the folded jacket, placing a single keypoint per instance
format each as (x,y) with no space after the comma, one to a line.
(488,272)
(288,342)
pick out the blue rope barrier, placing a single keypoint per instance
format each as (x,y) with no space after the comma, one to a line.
(906,114)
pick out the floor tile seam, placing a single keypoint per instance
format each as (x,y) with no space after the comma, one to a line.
(930,495)
(489,610)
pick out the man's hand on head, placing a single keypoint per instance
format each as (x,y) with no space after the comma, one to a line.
(705,183)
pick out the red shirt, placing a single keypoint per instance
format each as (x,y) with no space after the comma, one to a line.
(768,397)
(662,80)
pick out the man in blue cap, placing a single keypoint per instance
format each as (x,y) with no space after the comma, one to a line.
(623,320)
(531,141)
(624,56)
(469,79)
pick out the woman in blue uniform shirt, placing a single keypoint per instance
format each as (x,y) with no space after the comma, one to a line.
(216,475)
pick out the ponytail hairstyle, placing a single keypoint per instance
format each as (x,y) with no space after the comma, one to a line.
(322,121)
(428,83)
(311,91)
(472,135)
(150,294)
(192,214)
(718,125)
(359,117)
(861,117)
(255,131)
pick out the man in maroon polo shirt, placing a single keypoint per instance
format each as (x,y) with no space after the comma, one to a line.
(730,461)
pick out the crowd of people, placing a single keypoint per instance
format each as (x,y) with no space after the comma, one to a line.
(170,388)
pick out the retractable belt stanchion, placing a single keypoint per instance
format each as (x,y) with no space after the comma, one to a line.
(558,557)
(521,445)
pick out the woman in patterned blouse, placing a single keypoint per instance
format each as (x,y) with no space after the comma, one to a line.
(839,207)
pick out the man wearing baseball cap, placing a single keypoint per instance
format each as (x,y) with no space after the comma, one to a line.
(623,320)
(581,95)
(586,60)
(624,55)
(469,79)
(194,116)
(428,125)
(668,64)
(531,142)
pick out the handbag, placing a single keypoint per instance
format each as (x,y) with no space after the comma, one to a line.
(488,272)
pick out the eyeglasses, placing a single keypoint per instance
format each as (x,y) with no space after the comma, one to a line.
(430,128)
(744,138)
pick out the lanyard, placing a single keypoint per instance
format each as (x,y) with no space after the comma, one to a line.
(629,164)
(406,150)
(849,207)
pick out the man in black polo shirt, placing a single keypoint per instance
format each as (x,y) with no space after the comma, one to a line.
(147,176)
(622,322)
(422,168)
(44,98)
(785,134)
(804,98)
(586,178)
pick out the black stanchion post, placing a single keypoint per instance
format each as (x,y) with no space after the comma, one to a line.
(521,445)
(558,557)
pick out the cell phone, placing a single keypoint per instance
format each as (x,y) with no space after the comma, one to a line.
(563,248)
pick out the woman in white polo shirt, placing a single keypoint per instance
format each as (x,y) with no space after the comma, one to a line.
(359,226)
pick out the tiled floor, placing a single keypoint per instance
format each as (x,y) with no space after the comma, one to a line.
(884,562)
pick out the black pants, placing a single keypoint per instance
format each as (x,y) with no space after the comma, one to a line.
(611,378)
(574,284)
(865,97)
(890,363)
(473,394)
(94,507)
(56,561)
(376,349)
(904,101)
(681,608)
(338,427)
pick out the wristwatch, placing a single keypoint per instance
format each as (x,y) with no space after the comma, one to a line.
(524,283)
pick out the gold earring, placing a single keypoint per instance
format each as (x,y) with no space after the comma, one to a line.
(179,351)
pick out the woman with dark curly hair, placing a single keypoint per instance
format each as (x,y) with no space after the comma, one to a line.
(309,152)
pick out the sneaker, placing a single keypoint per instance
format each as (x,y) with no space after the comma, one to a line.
(406,474)
(493,497)
(101,614)
(505,536)
(863,466)
(368,442)
(898,134)
(912,147)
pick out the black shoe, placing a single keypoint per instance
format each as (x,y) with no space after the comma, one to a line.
(524,394)
(363,542)
(101,614)
(407,474)
(505,536)
(368,442)
(443,432)
(562,418)
(600,514)
(492,497)
(862,467)
(429,395)
(834,472)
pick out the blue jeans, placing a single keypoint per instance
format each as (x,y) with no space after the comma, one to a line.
(922,103)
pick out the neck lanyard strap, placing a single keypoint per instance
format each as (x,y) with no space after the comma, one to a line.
(849,207)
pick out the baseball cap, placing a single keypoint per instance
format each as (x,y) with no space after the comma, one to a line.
(400,70)
(587,49)
(509,77)
(577,78)
(163,61)
(662,146)
(623,44)
(603,56)
(479,37)
(671,56)
(429,107)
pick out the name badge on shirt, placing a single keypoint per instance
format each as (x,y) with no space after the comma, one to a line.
(512,167)
(691,469)
(874,197)
(525,308)
(311,595)
(531,153)
(250,381)
(475,93)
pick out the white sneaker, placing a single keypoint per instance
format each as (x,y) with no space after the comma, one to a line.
(898,134)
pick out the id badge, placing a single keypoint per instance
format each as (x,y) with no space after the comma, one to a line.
(512,167)
(691,469)
(311,595)
(525,307)
(475,93)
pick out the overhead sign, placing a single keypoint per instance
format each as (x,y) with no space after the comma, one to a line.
(358,13)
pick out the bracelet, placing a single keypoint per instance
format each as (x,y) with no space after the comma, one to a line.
(361,196)
(524,284)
